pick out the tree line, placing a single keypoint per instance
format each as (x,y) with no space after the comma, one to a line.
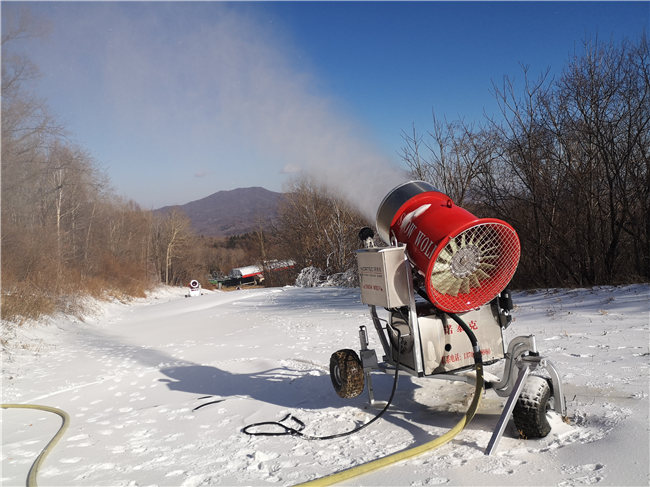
(65,234)
(565,162)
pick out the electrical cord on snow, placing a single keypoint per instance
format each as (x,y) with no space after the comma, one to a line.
(31,476)
(288,430)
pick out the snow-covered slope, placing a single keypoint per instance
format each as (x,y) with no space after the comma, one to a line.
(132,376)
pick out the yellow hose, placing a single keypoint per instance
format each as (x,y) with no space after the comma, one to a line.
(410,452)
(31,477)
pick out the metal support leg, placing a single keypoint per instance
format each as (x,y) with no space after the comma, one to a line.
(380,331)
(559,404)
(507,411)
(369,362)
(371,392)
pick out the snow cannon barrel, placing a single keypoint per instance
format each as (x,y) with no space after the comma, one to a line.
(466,261)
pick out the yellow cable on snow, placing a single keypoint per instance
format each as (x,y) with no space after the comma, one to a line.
(31,477)
(410,452)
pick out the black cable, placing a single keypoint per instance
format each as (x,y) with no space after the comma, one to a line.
(208,403)
(478,358)
(287,430)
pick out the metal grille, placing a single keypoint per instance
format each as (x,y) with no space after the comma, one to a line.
(474,267)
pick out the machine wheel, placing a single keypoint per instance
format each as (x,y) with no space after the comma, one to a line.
(529,414)
(346,372)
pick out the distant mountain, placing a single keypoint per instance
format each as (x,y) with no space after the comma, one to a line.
(226,213)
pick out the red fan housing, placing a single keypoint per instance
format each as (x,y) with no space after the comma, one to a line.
(466,261)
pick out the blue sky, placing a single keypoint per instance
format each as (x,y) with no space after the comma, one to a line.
(176,101)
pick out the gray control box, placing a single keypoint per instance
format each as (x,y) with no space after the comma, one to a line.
(383,277)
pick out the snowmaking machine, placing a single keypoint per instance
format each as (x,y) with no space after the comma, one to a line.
(194,289)
(442,283)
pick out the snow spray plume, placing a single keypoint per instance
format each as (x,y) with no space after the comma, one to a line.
(272,102)
(243,81)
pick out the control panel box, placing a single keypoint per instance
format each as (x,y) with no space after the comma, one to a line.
(383,277)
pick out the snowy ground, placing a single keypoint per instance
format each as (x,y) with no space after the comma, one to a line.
(131,376)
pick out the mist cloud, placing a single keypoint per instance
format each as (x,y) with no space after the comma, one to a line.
(235,80)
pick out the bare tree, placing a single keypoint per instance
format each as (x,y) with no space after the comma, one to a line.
(450,157)
(63,233)
(171,240)
(317,228)
(566,162)
(419,167)
(576,152)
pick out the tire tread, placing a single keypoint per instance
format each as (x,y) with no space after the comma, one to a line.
(529,414)
(350,372)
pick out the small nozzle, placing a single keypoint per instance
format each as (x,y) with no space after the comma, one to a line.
(365,233)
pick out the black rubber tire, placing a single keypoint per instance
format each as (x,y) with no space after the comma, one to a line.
(346,372)
(529,413)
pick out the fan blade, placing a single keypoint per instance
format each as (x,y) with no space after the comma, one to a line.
(474,280)
(483,257)
(488,249)
(442,282)
(481,275)
(453,288)
(464,288)
(440,267)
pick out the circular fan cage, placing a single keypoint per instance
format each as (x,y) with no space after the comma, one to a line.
(473,267)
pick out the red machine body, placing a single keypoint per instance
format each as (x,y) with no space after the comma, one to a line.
(466,261)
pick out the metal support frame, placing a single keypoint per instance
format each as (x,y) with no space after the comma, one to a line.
(522,354)
(512,387)
(522,350)
(558,390)
(369,362)
(507,410)
(380,330)
(413,321)
(517,347)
